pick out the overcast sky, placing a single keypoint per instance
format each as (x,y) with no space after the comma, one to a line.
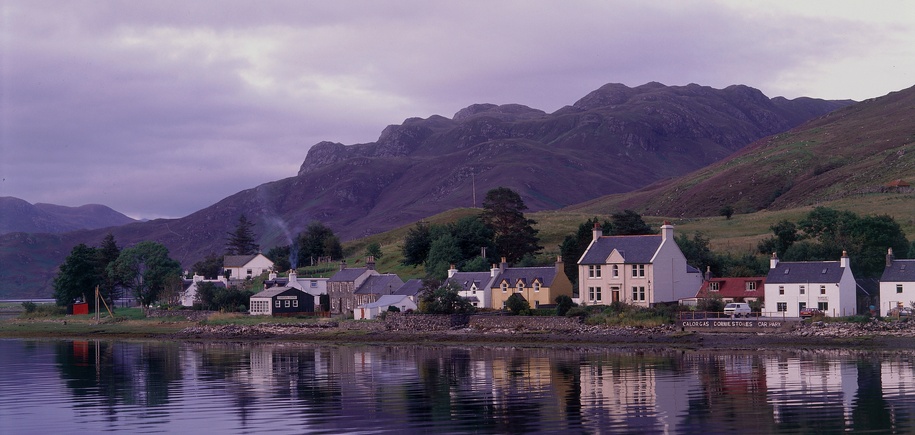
(161,108)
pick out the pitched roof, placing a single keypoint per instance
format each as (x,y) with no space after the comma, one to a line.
(634,249)
(410,288)
(387,300)
(347,275)
(275,291)
(468,279)
(788,272)
(733,287)
(528,274)
(237,260)
(384,284)
(899,271)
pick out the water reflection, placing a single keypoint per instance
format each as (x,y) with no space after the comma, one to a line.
(300,388)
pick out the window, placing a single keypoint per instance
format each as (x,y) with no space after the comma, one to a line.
(593,271)
(504,287)
(249,272)
(781,290)
(615,271)
(590,293)
(638,270)
(295,303)
(823,306)
(898,288)
(781,307)
(803,290)
(751,286)
(520,287)
(277,303)
(714,286)
(286,304)
(801,306)
(594,294)
(314,284)
(822,289)
(638,293)
(536,287)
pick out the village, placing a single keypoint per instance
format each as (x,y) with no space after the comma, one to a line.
(640,270)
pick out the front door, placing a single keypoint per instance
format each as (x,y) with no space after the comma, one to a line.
(615,294)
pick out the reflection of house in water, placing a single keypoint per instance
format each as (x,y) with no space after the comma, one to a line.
(897,379)
(620,394)
(796,385)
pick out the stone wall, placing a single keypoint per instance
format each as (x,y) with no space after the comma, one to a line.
(529,323)
(424,322)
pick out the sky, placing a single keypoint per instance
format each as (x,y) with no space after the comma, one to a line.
(161,108)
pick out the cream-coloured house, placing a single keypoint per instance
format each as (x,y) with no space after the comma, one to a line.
(640,270)
(538,285)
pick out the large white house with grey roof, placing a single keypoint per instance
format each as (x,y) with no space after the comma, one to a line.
(792,286)
(897,284)
(639,270)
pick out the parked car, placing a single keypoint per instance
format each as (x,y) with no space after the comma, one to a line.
(737,309)
(900,312)
(811,312)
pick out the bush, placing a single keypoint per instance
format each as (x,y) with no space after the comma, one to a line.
(29,306)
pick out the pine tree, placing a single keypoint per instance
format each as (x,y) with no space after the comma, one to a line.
(514,235)
(241,241)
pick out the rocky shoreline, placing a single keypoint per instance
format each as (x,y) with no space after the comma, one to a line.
(874,334)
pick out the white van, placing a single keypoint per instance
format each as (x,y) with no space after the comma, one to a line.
(737,309)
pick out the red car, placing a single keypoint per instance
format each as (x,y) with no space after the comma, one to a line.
(811,312)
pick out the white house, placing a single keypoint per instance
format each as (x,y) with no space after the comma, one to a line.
(476,287)
(827,285)
(639,270)
(374,309)
(189,294)
(245,266)
(897,284)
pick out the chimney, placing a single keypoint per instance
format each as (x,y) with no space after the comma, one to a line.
(708,273)
(597,232)
(667,231)
(197,278)
(773,261)
(559,266)
(342,264)
(370,262)
(844,261)
(503,265)
(271,276)
(494,271)
(889,257)
(452,271)
(292,276)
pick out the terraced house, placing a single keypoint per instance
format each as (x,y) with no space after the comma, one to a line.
(538,285)
(639,270)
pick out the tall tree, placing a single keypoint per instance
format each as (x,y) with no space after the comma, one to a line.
(242,240)
(630,223)
(78,276)
(318,240)
(210,267)
(443,299)
(416,244)
(145,270)
(514,234)
(443,252)
(108,252)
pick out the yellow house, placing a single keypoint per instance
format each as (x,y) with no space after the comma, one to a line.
(538,285)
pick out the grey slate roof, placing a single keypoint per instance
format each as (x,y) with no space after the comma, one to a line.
(347,275)
(237,260)
(634,249)
(787,272)
(899,271)
(467,279)
(528,275)
(410,288)
(380,285)
(271,292)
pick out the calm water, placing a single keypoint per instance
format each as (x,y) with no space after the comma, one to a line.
(90,387)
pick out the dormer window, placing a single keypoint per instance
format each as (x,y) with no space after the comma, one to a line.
(536,286)
(751,286)
(520,287)
(504,287)
(714,286)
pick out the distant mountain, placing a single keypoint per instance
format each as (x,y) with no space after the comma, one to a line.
(17,215)
(615,139)
(859,149)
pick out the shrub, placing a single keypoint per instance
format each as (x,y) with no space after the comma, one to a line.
(29,306)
